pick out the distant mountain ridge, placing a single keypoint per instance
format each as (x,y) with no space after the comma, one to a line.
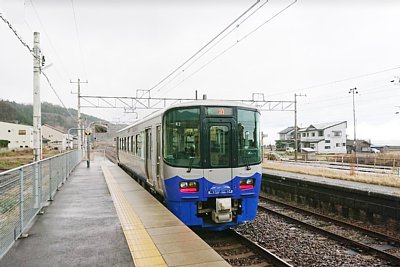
(52,115)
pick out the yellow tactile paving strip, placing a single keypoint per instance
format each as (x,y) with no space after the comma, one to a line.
(143,250)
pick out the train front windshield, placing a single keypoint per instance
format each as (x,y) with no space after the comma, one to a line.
(211,137)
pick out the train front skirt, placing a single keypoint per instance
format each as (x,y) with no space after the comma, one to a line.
(201,203)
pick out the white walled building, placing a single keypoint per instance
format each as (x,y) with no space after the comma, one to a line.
(19,136)
(57,139)
(324,137)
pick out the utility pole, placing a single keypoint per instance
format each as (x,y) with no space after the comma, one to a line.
(37,112)
(79,113)
(295,124)
(354,91)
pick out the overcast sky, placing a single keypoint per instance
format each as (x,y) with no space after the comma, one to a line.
(317,48)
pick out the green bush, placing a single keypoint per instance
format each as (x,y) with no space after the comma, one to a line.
(4,143)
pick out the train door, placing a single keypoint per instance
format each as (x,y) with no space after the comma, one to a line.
(218,153)
(158,158)
(148,150)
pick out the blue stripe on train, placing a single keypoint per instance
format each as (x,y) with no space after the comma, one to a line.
(184,205)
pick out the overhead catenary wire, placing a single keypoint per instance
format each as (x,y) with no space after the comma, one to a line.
(204,46)
(234,44)
(214,44)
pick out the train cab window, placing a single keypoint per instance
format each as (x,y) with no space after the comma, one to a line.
(182,137)
(248,133)
(220,146)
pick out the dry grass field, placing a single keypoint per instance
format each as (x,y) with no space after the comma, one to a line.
(392,180)
(15,159)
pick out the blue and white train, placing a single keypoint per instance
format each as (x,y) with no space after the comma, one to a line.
(203,158)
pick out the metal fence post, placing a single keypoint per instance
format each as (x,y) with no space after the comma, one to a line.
(40,184)
(21,201)
(36,186)
(50,182)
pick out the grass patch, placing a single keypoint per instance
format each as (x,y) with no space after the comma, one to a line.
(14,159)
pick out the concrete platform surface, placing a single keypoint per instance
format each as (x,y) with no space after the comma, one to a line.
(79,228)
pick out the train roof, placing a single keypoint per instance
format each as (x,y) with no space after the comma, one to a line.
(226,103)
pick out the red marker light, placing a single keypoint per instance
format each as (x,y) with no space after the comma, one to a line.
(246,184)
(189,187)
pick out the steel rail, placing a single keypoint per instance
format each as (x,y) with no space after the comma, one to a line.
(339,238)
(336,221)
(261,251)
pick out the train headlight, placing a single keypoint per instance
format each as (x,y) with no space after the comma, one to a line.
(246,184)
(189,187)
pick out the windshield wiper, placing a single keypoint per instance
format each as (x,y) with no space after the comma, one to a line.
(190,164)
(246,160)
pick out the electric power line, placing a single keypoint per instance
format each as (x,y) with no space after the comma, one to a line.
(55,92)
(48,37)
(78,38)
(31,52)
(16,34)
(337,81)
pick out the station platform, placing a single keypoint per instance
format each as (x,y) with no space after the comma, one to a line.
(359,186)
(102,217)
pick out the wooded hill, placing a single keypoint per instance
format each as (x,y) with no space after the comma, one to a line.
(52,115)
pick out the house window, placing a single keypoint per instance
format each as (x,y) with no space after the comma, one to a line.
(327,147)
(320,133)
(308,134)
(313,134)
(337,144)
(304,134)
(344,144)
(337,133)
(327,141)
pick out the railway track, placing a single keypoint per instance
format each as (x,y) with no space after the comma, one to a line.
(238,250)
(358,238)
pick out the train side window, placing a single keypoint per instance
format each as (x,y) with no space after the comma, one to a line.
(132,145)
(139,145)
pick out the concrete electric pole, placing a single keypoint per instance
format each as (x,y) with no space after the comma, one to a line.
(37,112)
(354,91)
(295,125)
(79,113)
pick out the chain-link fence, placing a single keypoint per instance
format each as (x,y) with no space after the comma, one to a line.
(25,190)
